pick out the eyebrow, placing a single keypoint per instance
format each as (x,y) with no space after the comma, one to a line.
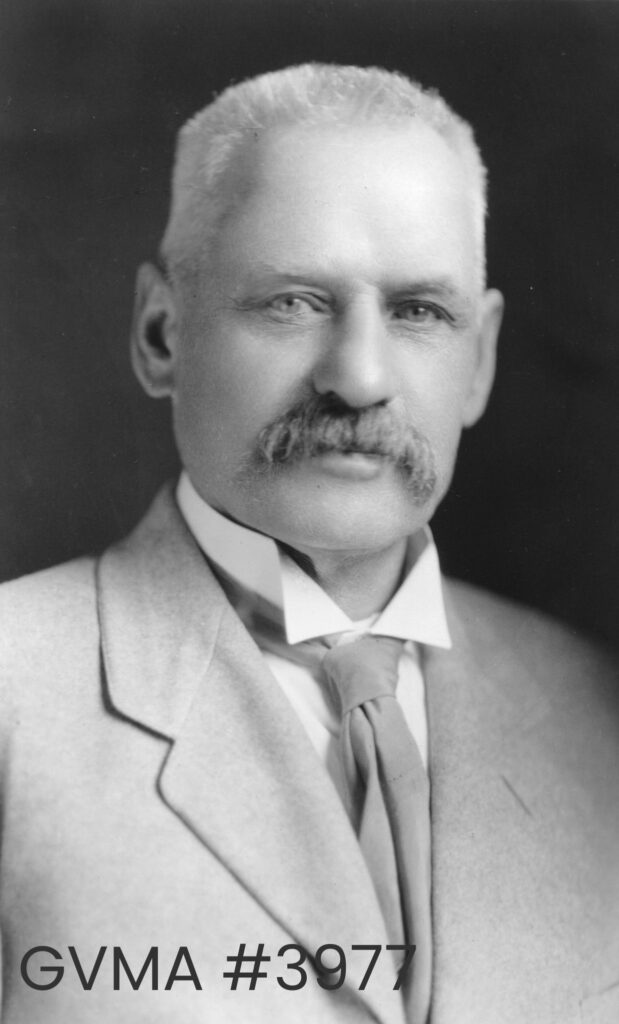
(440,286)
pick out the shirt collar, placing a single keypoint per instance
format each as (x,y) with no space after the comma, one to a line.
(415,612)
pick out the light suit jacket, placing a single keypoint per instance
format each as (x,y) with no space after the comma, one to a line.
(159,791)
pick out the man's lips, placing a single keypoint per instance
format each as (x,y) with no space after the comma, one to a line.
(324,436)
(354,465)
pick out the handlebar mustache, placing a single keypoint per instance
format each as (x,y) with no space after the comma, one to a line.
(323,424)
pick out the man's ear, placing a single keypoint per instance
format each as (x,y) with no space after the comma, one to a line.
(154,332)
(491,315)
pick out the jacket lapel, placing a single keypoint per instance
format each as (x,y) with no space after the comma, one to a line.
(180,663)
(501,905)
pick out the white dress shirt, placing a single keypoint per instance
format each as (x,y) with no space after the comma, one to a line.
(415,613)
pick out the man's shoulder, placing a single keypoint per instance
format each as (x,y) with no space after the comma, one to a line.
(540,659)
(47,610)
(68,580)
(55,612)
(492,617)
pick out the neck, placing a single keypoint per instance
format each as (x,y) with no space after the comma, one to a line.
(360,582)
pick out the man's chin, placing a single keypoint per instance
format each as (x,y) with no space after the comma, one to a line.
(339,502)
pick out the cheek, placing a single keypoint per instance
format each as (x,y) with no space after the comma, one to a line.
(436,399)
(227,393)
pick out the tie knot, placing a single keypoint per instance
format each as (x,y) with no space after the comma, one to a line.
(363,670)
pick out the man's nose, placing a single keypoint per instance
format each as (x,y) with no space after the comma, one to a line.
(357,364)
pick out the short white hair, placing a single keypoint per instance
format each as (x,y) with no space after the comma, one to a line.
(309,94)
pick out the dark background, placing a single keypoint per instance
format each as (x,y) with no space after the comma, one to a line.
(92,96)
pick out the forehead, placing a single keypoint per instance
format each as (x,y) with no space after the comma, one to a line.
(383,198)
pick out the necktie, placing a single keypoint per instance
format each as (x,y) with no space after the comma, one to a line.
(387,785)
(389,798)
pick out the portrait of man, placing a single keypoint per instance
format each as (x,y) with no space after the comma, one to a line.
(261,758)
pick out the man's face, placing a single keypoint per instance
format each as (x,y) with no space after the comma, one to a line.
(345,269)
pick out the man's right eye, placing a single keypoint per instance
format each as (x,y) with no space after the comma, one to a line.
(294,305)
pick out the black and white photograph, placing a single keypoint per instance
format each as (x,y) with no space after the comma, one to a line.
(309,559)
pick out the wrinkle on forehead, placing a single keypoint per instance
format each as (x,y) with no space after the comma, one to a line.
(266,161)
(381,205)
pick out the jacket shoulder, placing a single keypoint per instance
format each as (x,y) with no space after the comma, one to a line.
(523,644)
(529,632)
(47,613)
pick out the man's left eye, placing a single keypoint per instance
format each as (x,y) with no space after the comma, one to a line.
(420,312)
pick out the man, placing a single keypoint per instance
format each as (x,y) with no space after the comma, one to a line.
(188,764)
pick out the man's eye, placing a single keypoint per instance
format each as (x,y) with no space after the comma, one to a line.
(294,305)
(421,313)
